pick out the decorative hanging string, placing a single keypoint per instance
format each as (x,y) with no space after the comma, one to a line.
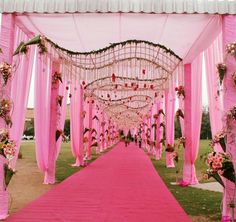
(121,72)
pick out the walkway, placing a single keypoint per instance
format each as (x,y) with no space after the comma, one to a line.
(120,186)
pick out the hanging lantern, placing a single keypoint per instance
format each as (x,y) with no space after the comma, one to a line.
(113,77)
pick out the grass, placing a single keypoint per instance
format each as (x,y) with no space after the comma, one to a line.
(64,161)
(195,202)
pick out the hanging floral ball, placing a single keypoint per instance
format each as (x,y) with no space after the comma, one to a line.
(67,87)
(151,87)
(108,95)
(70,95)
(126,84)
(113,77)
(83,83)
(116,86)
(155,94)
(92,101)
(145,85)
(144,71)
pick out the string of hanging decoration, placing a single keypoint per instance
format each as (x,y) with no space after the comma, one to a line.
(123,78)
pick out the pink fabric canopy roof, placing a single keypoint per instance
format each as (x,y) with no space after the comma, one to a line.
(186,35)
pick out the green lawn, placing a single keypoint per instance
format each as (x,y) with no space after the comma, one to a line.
(195,202)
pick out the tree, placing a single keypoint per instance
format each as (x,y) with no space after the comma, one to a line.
(205,126)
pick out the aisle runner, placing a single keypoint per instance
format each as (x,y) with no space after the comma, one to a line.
(120,186)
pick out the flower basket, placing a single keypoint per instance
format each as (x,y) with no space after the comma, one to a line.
(222,69)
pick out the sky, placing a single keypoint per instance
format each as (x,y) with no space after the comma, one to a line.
(31,93)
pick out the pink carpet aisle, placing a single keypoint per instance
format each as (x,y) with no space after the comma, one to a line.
(121,185)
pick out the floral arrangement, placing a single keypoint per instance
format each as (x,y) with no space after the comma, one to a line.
(222,69)
(179,113)
(83,113)
(181,140)
(231,49)
(170,148)
(232,113)
(220,165)
(60,132)
(162,125)
(219,138)
(234,77)
(56,78)
(180,91)
(59,100)
(6,71)
(39,40)
(7,150)
(5,109)
(85,140)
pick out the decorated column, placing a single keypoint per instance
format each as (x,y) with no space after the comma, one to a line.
(6,46)
(192,117)
(54,135)
(229,107)
(169,111)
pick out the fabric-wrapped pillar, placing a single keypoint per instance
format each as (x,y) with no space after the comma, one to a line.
(170,121)
(193,114)
(159,131)
(6,45)
(214,55)
(76,124)
(229,101)
(49,177)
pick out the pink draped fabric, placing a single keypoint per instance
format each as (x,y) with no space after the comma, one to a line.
(49,177)
(214,55)
(193,115)
(170,120)
(229,101)
(42,111)
(63,92)
(19,93)
(76,124)
(6,44)
(159,131)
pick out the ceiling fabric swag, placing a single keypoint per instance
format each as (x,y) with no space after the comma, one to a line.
(125,77)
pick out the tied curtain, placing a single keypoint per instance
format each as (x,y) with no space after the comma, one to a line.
(48,116)
(77,123)
(193,115)
(170,122)
(20,90)
(159,130)
(214,55)
(229,101)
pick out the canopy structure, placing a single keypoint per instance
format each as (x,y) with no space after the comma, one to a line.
(146,6)
(124,64)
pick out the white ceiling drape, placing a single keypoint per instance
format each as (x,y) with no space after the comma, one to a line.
(187,35)
(146,6)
